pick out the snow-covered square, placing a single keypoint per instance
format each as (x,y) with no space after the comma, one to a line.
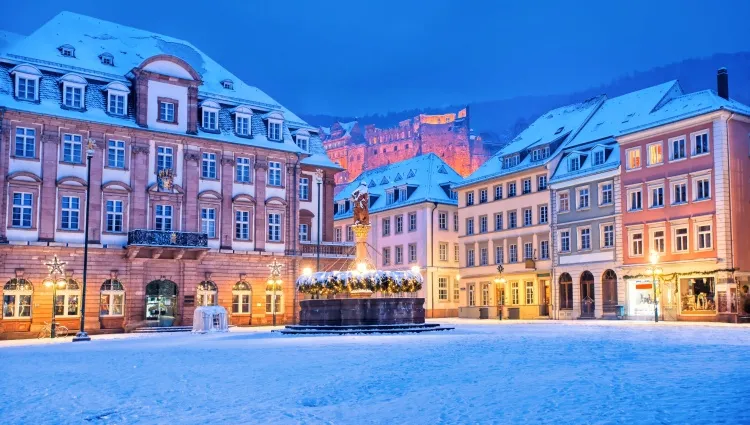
(482,372)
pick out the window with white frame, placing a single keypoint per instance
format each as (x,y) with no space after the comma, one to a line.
(25,144)
(208,222)
(598,157)
(116,104)
(443,251)
(274,173)
(677,149)
(412,252)
(386,226)
(584,238)
(510,161)
(657,196)
(398,254)
(67,299)
(563,201)
(527,217)
(242,170)
(274,130)
(513,253)
(114,216)
(164,158)
(498,192)
(304,232)
(702,188)
(543,214)
(456,253)
(635,197)
(443,220)
(541,183)
(470,257)
(483,260)
(455,222)
(69,212)
(499,255)
(483,224)
(17,294)
(636,244)
(633,158)
(274,227)
(584,198)
(499,221)
(485,294)
(22,209)
(512,220)
(304,188)
(274,301)
(511,189)
(658,240)
(242,295)
(303,143)
(529,293)
(515,296)
(399,224)
(700,144)
(544,250)
(386,256)
(337,234)
(163,218)
(210,118)
(472,297)
(528,251)
(564,240)
(115,154)
(574,162)
(608,236)
(166,111)
(26,87)
(73,96)
(606,193)
(470,226)
(412,222)
(72,148)
(680,239)
(242,124)
(443,288)
(482,196)
(526,186)
(704,236)
(679,193)
(655,153)
(469,198)
(208,165)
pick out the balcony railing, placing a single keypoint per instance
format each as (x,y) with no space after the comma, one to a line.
(328,249)
(160,238)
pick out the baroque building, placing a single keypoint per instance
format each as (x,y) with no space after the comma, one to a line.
(197,181)
(357,149)
(414,224)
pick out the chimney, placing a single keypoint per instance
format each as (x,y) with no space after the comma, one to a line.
(722,83)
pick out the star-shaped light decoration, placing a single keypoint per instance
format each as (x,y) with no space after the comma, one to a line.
(56,266)
(275,267)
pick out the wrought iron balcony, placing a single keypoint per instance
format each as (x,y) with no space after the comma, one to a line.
(146,237)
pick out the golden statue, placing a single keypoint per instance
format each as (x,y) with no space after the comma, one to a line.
(361,202)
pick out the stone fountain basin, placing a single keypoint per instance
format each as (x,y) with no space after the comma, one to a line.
(362,311)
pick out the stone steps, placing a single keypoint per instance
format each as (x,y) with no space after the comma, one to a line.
(165,329)
(361,329)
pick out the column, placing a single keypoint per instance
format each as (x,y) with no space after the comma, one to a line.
(48,196)
(97,169)
(329,184)
(261,168)
(292,208)
(139,183)
(227,183)
(191,181)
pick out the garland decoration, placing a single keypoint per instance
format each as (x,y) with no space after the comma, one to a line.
(673,276)
(332,283)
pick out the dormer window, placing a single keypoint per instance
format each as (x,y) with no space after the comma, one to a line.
(227,84)
(402,194)
(117,98)
(599,157)
(303,143)
(510,161)
(242,120)
(107,59)
(540,153)
(390,197)
(210,115)
(275,120)
(574,163)
(26,82)
(67,50)
(74,89)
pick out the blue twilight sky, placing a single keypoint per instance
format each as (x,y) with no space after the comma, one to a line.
(353,57)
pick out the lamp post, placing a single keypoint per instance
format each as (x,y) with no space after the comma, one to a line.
(82,335)
(500,282)
(319,181)
(275,280)
(654,271)
(55,279)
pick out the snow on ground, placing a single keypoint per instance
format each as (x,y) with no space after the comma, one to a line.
(482,372)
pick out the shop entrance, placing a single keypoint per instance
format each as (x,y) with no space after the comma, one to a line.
(587,294)
(698,296)
(609,291)
(161,301)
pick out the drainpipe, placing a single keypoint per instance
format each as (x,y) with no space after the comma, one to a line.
(432,257)
(731,236)
(295,236)
(3,238)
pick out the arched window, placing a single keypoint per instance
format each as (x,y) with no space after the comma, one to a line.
(17,298)
(274,291)
(566,292)
(241,298)
(67,299)
(207,293)
(112,298)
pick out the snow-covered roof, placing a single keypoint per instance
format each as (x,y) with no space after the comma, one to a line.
(7,39)
(348,126)
(553,127)
(585,152)
(428,175)
(130,47)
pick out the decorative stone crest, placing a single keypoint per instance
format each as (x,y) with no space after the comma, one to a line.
(192,156)
(165,179)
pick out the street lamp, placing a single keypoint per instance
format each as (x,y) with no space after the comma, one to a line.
(654,271)
(55,279)
(275,280)
(319,181)
(500,282)
(82,335)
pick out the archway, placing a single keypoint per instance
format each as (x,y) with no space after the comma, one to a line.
(566,291)
(609,291)
(587,294)
(207,293)
(161,299)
